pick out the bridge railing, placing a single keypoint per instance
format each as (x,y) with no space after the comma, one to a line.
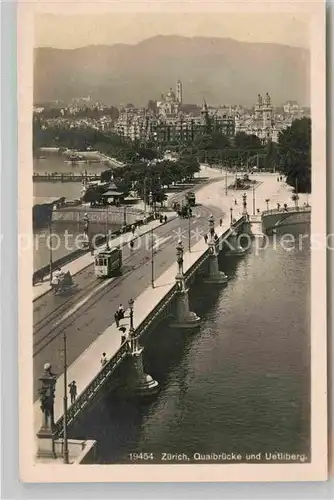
(306,208)
(91,390)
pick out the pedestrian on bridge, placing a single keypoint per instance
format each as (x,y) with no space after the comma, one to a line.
(73,391)
(133,228)
(235,202)
(121,312)
(104,359)
(116,316)
(206,238)
(221,221)
(165,219)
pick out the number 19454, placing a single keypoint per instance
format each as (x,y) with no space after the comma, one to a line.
(141,456)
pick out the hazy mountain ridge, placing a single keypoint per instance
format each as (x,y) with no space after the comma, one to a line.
(222,70)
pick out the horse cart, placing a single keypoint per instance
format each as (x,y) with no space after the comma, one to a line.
(62,283)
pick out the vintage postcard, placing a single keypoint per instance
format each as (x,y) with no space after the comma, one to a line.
(172,219)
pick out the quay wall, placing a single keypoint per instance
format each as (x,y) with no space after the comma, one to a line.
(97,216)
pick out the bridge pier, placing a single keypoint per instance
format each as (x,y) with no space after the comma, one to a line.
(144,384)
(234,247)
(247,227)
(214,274)
(184,318)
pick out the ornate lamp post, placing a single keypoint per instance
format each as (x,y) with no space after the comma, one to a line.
(150,200)
(152,258)
(189,229)
(46,397)
(131,329)
(65,455)
(107,230)
(86,227)
(50,249)
(253,199)
(244,203)
(145,198)
(267,202)
(179,258)
(211,228)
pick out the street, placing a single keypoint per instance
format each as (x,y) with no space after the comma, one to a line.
(91,310)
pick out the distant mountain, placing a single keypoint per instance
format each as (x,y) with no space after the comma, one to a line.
(221,70)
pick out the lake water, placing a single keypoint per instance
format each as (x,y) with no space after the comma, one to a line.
(55,163)
(71,190)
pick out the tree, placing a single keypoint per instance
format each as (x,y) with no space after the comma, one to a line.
(294,146)
(246,141)
(271,158)
(152,105)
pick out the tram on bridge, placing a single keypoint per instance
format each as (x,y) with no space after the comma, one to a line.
(108,262)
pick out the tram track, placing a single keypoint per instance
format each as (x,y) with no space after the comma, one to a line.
(58,328)
(59,316)
(67,304)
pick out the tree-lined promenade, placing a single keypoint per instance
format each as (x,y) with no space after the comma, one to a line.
(145,170)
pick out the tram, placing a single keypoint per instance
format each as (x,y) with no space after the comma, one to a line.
(191,198)
(108,262)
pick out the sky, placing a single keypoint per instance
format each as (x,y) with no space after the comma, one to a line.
(73,31)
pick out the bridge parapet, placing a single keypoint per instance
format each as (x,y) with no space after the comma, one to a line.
(91,390)
(275,211)
(275,218)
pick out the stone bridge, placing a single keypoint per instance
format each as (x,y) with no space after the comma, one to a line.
(272,219)
(172,304)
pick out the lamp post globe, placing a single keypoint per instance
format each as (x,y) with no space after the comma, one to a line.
(179,256)
(211,225)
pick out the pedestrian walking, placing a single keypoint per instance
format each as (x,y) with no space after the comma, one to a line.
(133,228)
(104,359)
(116,316)
(206,238)
(165,219)
(121,312)
(131,245)
(221,221)
(278,206)
(73,391)
(235,202)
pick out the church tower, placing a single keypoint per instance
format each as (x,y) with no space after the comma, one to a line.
(179,91)
(267,111)
(258,108)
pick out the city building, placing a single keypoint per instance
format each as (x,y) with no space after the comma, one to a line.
(170,103)
(220,118)
(291,107)
(136,124)
(264,123)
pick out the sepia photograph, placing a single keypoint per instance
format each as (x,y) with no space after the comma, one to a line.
(172,241)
